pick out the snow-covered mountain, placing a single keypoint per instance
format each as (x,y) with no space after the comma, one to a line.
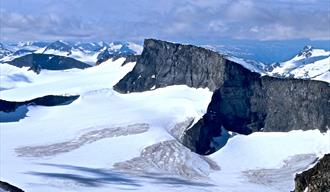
(90,47)
(20,49)
(310,63)
(119,49)
(62,48)
(267,52)
(57,48)
(88,53)
(108,141)
(25,45)
(3,51)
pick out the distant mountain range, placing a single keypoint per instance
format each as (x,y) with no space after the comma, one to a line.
(309,63)
(267,52)
(88,53)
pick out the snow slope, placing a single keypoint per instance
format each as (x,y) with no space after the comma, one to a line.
(3,51)
(310,63)
(106,141)
(251,65)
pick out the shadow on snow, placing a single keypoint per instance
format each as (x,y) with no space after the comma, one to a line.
(96,177)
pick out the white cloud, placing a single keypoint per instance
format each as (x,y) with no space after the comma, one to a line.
(217,26)
(16,26)
(169,19)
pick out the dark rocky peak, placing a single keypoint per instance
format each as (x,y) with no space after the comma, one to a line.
(47,100)
(12,111)
(103,56)
(306,52)
(162,64)
(247,103)
(59,46)
(242,102)
(117,50)
(272,66)
(130,58)
(122,48)
(37,62)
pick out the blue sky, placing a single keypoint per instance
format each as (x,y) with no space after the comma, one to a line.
(175,20)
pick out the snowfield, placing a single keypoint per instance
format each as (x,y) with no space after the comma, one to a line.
(311,63)
(107,141)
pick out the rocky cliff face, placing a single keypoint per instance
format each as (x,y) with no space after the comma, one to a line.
(243,101)
(162,64)
(250,103)
(315,179)
(293,104)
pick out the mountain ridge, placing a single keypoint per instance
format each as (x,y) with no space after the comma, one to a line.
(89,52)
(242,102)
(309,63)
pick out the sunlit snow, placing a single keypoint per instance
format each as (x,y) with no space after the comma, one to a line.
(107,141)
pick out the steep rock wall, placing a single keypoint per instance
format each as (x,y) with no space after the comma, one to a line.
(243,101)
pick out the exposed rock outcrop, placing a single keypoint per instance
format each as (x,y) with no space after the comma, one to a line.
(48,100)
(131,58)
(315,179)
(247,103)
(243,101)
(4,186)
(36,62)
(162,64)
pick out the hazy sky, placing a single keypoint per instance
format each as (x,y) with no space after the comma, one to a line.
(176,20)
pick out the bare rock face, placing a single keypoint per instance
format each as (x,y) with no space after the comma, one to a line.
(162,64)
(130,58)
(316,179)
(48,100)
(242,102)
(6,187)
(257,103)
(295,104)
